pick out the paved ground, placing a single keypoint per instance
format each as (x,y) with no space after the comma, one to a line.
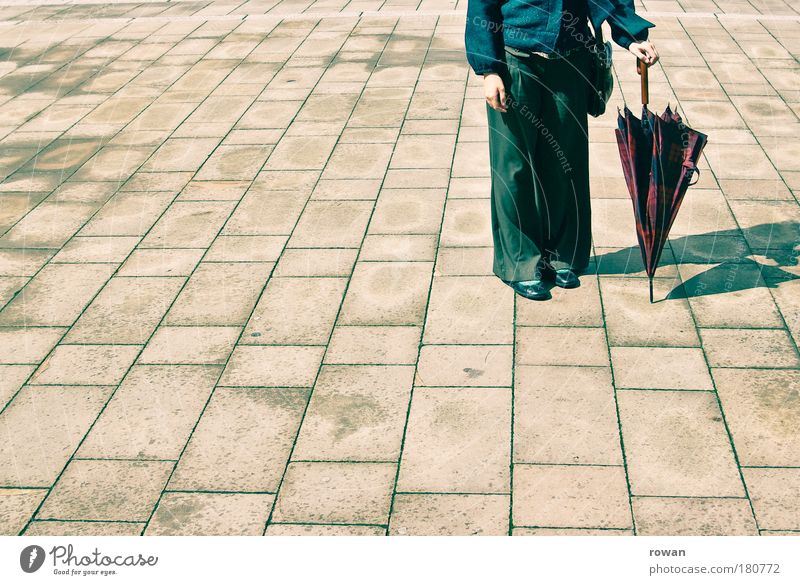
(245,284)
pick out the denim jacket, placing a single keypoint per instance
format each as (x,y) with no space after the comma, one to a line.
(534,25)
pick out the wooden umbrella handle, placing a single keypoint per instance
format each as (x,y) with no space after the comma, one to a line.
(641,68)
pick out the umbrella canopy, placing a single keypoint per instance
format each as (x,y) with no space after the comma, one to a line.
(659,158)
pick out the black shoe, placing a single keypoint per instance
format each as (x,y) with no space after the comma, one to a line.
(566,279)
(535,291)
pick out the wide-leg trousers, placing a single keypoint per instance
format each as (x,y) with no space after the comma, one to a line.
(539,157)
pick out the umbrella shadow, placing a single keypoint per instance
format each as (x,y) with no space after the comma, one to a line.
(728,254)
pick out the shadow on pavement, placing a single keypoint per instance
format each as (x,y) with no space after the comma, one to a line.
(730,251)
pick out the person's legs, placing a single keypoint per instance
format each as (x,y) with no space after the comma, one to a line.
(561,162)
(516,228)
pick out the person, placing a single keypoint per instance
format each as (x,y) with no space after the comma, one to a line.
(534,56)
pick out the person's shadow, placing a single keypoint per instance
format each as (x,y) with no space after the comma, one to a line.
(728,254)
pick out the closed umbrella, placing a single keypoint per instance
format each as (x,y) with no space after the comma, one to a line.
(659,157)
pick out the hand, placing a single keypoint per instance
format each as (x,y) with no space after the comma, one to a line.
(495,92)
(645,51)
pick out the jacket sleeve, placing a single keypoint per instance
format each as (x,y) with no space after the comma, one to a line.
(626,25)
(483,36)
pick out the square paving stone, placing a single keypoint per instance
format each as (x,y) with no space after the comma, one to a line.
(570,496)
(761,408)
(757,348)
(423,151)
(387,293)
(356,413)
(469,309)
(295,311)
(408,211)
(469,188)
(273,366)
(56,528)
(86,364)
(676,444)
(470,161)
(234,163)
(190,345)
(181,154)
(128,213)
(739,161)
(113,164)
(566,346)
(632,320)
(219,294)
(269,114)
(188,224)
(358,161)
(331,224)
(21,345)
(336,493)
(667,368)
(378,111)
(466,223)
(301,152)
(449,515)
(203,514)
(613,225)
(694,517)
(565,415)
(458,440)
(265,212)
(711,114)
(106,490)
(16,508)
(43,426)
(243,440)
(127,310)
(152,413)
(373,345)
(465,365)
(57,295)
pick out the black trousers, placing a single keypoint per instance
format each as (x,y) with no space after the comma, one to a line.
(539,155)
